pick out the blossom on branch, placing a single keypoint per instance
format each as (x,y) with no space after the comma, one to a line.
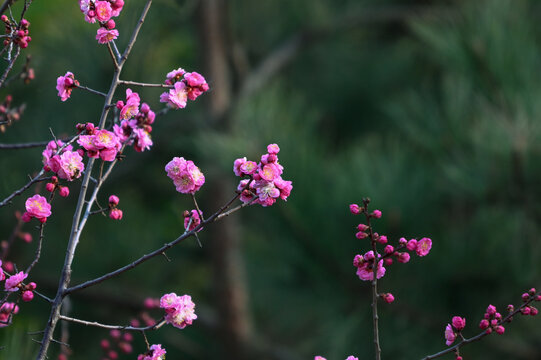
(102,143)
(104,35)
(155,353)
(186,177)
(65,84)
(179,310)
(14,281)
(190,87)
(37,207)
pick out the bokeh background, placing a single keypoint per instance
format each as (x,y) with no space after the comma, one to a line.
(430,108)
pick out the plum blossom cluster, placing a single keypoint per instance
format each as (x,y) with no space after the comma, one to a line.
(186,177)
(119,342)
(156,352)
(102,12)
(185,86)
(365,263)
(36,207)
(17,33)
(453,330)
(102,144)
(62,160)
(265,184)
(136,125)
(179,310)
(65,85)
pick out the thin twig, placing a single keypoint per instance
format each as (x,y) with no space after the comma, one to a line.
(156,326)
(135,83)
(34,180)
(199,212)
(115,60)
(96,92)
(10,66)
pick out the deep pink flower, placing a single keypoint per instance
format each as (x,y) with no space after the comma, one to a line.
(196,85)
(113,200)
(13,282)
(248,167)
(143,141)
(104,35)
(459,323)
(269,172)
(376,214)
(103,10)
(403,257)
(177,97)
(38,207)
(104,144)
(491,310)
(63,191)
(423,246)
(237,164)
(65,84)
(450,335)
(499,329)
(388,298)
(412,245)
(273,149)
(27,295)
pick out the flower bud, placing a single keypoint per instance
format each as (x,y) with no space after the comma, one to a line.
(64,191)
(354,209)
(113,200)
(483,324)
(27,296)
(115,214)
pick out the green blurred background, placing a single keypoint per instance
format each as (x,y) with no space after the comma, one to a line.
(430,108)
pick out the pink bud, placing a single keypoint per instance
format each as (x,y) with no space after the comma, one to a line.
(388,298)
(25,23)
(458,323)
(376,214)
(358,260)
(135,323)
(361,235)
(90,128)
(491,310)
(20,33)
(403,257)
(145,108)
(412,245)
(27,237)
(525,297)
(369,256)
(115,334)
(525,310)
(26,217)
(499,329)
(388,261)
(389,249)
(403,241)
(382,239)
(31,286)
(113,200)
(537,297)
(28,296)
(127,337)
(115,214)
(62,357)
(4,18)
(64,191)
(533,311)
(119,104)
(125,347)
(488,331)
(50,187)
(362,227)
(355,209)
(113,355)
(483,324)
(493,322)
(110,25)
(532,291)
(510,307)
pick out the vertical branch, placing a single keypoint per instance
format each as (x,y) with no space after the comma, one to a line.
(375,317)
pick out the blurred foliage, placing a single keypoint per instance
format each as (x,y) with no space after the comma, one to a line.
(434,116)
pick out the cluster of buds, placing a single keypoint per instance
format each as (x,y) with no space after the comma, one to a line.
(52,186)
(365,263)
(103,12)
(492,321)
(114,212)
(27,73)
(14,283)
(9,114)
(18,33)
(528,297)
(118,342)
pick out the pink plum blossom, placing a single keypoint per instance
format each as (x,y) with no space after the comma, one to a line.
(104,35)
(177,97)
(450,335)
(103,10)
(174,76)
(179,310)
(131,108)
(423,246)
(70,165)
(459,323)
(65,84)
(103,144)
(7,310)
(38,207)
(155,353)
(196,84)
(144,142)
(186,177)
(354,209)
(12,283)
